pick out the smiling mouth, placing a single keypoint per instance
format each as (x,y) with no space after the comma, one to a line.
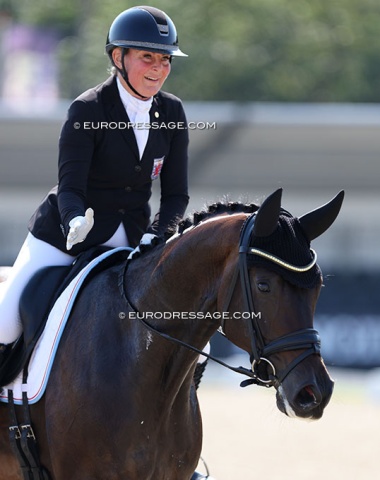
(152,79)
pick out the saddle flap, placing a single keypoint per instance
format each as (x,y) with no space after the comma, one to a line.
(35,303)
(37,299)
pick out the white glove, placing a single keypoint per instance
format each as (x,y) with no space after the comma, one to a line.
(148,241)
(79,228)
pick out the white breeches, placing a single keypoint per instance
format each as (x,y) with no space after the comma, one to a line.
(34,255)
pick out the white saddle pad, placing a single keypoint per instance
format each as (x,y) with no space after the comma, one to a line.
(43,356)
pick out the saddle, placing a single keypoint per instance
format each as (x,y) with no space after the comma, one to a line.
(37,300)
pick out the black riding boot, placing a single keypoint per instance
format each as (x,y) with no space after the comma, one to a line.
(4,353)
(197,476)
(200,476)
(4,349)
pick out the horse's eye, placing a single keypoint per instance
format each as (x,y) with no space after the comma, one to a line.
(263,287)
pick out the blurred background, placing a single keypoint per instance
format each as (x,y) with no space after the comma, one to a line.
(291,91)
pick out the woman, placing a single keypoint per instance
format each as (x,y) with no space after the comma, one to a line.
(108,158)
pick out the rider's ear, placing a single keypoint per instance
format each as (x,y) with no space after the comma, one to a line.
(319,220)
(117,57)
(267,215)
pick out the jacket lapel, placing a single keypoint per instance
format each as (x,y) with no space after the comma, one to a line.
(117,113)
(157,116)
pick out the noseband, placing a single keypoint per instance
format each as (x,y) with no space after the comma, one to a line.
(306,339)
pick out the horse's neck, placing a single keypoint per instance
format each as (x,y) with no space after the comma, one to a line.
(185,275)
(172,284)
(182,277)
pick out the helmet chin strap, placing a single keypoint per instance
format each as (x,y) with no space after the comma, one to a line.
(124,74)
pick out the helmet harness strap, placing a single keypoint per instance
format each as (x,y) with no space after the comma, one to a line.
(124,73)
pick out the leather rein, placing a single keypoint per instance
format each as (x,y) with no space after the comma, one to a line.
(306,339)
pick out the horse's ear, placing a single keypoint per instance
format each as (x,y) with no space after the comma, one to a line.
(267,215)
(319,220)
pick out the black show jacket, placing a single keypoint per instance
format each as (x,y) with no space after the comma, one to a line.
(99,167)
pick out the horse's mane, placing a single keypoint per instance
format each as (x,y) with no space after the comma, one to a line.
(214,209)
(288,242)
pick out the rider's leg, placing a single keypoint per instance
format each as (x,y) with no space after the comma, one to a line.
(34,254)
(3,352)
(200,476)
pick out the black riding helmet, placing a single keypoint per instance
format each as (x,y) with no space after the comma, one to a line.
(143,28)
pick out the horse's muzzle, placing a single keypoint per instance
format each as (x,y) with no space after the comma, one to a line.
(306,398)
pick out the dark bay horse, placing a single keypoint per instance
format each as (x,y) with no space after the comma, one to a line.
(121,401)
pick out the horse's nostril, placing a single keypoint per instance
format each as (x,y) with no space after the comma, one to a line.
(307,398)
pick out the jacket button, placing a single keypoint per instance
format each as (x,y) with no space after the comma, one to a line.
(138,168)
(128,189)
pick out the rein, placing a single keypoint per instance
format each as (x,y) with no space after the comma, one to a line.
(241,370)
(306,339)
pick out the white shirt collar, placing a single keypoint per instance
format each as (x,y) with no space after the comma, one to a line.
(132,103)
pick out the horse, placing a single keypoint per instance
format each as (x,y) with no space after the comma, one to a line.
(121,402)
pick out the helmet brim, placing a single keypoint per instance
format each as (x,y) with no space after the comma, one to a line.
(174,51)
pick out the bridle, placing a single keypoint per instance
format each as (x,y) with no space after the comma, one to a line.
(306,339)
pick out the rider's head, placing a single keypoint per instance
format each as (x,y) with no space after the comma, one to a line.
(140,43)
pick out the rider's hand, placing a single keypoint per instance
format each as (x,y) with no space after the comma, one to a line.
(79,228)
(147,242)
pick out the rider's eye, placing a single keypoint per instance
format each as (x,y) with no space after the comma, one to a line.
(263,287)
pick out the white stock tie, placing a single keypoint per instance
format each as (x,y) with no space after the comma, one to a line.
(138,113)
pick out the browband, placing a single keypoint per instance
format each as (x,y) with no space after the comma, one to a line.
(282,263)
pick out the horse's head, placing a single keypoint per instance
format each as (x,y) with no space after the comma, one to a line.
(277,294)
